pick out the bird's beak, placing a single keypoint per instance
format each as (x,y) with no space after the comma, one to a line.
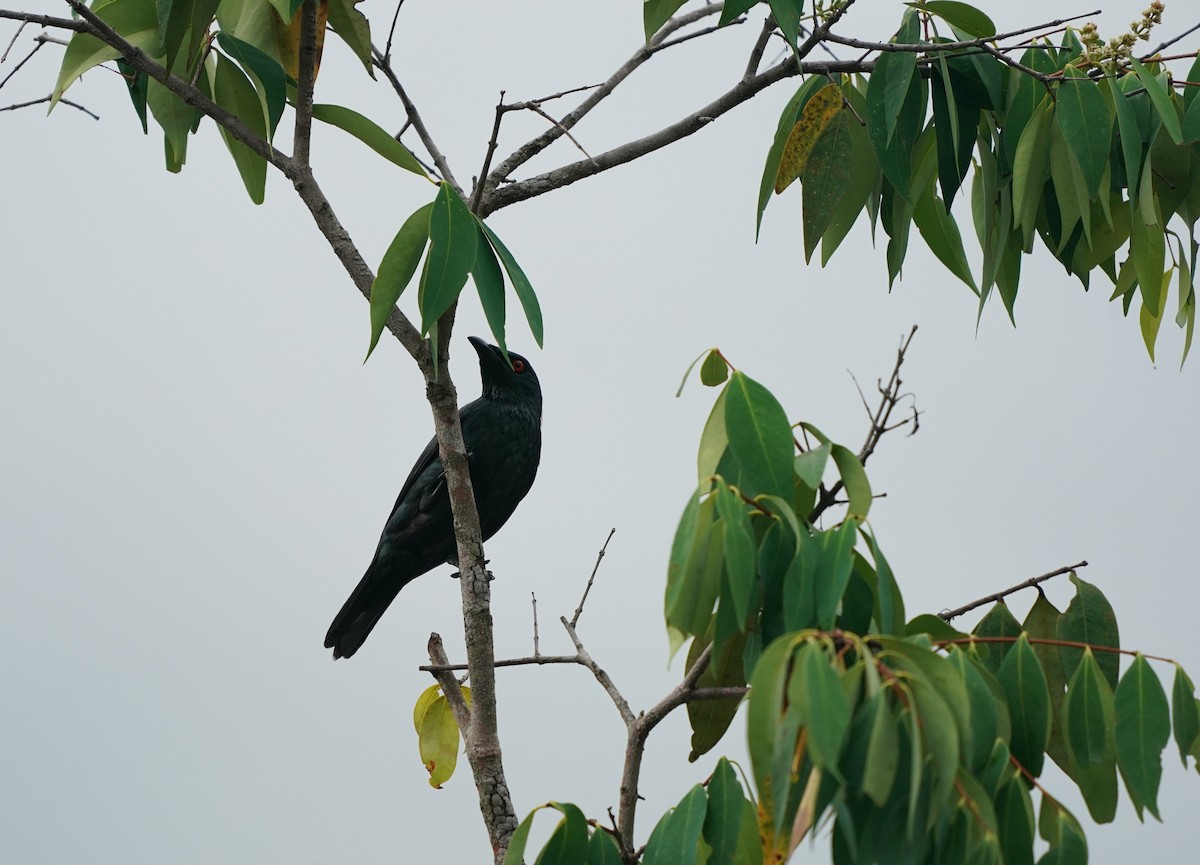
(489,355)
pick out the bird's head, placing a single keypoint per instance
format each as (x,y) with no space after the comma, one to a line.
(502,382)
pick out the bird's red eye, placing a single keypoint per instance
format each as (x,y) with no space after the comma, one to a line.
(518,365)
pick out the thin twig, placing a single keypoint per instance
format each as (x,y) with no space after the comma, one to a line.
(1174,39)
(591,579)
(46,99)
(477,195)
(46,20)
(24,60)
(450,686)
(537,652)
(414,116)
(537,109)
(602,677)
(387,48)
(760,45)
(947,615)
(12,41)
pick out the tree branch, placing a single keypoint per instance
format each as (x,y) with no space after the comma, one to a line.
(947,615)
(305,79)
(592,578)
(45,20)
(414,117)
(450,687)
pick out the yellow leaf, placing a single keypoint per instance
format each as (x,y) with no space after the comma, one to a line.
(817,114)
(287,40)
(438,742)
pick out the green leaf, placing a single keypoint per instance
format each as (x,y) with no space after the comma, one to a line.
(1191,124)
(266,74)
(833,570)
(818,112)
(1014,816)
(815,689)
(1161,100)
(961,15)
(1185,714)
(656,13)
(893,135)
(136,83)
(714,370)
(694,574)
(489,283)
(940,232)
(709,719)
(764,716)
(889,605)
(1024,685)
(234,92)
(862,187)
(714,441)
(135,20)
(396,270)
(1041,623)
(369,133)
(176,118)
(1148,250)
(1030,166)
(787,15)
(723,818)
(1142,729)
(760,437)
(739,551)
(899,73)
(521,285)
(735,9)
(353,28)
(935,627)
(883,752)
(437,739)
(999,622)
(1089,619)
(858,488)
(602,849)
(787,120)
(987,708)
(1083,118)
(1063,833)
(810,465)
(825,179)
(453,241)
(1087,715)
(569,842)
(1132,148)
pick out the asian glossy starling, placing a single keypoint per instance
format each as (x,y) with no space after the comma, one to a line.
(502,431)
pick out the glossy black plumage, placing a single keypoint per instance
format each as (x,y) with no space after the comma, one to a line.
(502,431)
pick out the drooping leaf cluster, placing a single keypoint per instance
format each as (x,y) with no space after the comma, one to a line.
(1100,162)
(914,742)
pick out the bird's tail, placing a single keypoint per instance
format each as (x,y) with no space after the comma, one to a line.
(359,615)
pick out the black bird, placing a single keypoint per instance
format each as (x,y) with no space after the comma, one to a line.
(502,431)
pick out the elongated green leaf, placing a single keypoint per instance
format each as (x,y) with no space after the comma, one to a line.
(818,112)
(825,179)
(656,13)
(985,710)
(735,9)
(940,232)
(602,849)
(1142,729)
(521,285)
(1014,815)
(893,135)
(1185,714)
(713,442)
(1161,100)
(694,576)
(832,573)
(787,15)
(1089,619)
(810,465)
(862,187)
(568,843)
(858,488)
(963,16)
(1132,148)
(175,117)
(889,605)
(739,551)
(397,268)
(814,688)
(1041,623)
(265,73)
(1148,249)
(489,282)
(760,437)
(1030,166)
(234,92)
(1088,715)
(369,133)
(1085,124)
(764,716)
(723,818)
(453,241)
(709,719)
(899,73)
(998,623)
(353,29)
(135,20)
(1024,684)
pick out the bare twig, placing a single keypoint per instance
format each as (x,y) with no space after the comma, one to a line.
(1165,45)
(477,195)
(602,677)
(414,116)
(46,99)
(12,41)
(760,45)
(537,652)
(24,60)
(45,20)
(890,396)
(592,578)
(947,615)
(450,686)
(387,48)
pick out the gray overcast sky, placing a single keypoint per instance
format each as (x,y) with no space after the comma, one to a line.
(196,465)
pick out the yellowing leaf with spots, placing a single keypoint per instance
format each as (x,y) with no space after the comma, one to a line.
(287,40)
(437,734)
(818,112)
